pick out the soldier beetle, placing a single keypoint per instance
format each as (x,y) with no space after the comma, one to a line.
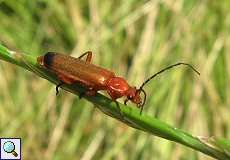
(72,70)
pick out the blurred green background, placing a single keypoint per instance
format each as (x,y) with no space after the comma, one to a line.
(134,39)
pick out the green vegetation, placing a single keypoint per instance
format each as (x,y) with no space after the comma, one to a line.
(134,39)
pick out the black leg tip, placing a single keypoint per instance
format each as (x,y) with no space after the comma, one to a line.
(125,102)
(81,95)
(141,110)
(57,91)
(59,85)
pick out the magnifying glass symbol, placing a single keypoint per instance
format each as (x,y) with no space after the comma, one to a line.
(9,147)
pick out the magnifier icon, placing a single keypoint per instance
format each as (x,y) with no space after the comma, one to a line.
(9,147)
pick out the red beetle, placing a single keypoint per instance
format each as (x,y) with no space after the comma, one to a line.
(94,78)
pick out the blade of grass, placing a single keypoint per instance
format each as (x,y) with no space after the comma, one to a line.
(131,116)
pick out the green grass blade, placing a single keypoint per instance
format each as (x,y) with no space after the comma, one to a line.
(130,116)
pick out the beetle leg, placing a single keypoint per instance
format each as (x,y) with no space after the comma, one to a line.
(89,92)
(142,107)
(119,109)
(89,56)
(59,85)
(81,95)
(125,102)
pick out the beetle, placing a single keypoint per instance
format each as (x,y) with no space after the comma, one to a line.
(70,70)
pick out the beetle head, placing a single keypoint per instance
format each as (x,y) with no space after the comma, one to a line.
(134,95)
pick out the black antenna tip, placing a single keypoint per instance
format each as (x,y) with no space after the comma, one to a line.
(192,68)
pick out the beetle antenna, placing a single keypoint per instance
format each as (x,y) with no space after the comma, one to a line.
(143,103)
(169,67)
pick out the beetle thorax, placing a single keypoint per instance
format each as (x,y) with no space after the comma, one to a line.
(117,87)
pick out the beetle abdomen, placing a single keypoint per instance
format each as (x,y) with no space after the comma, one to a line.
(75,70)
